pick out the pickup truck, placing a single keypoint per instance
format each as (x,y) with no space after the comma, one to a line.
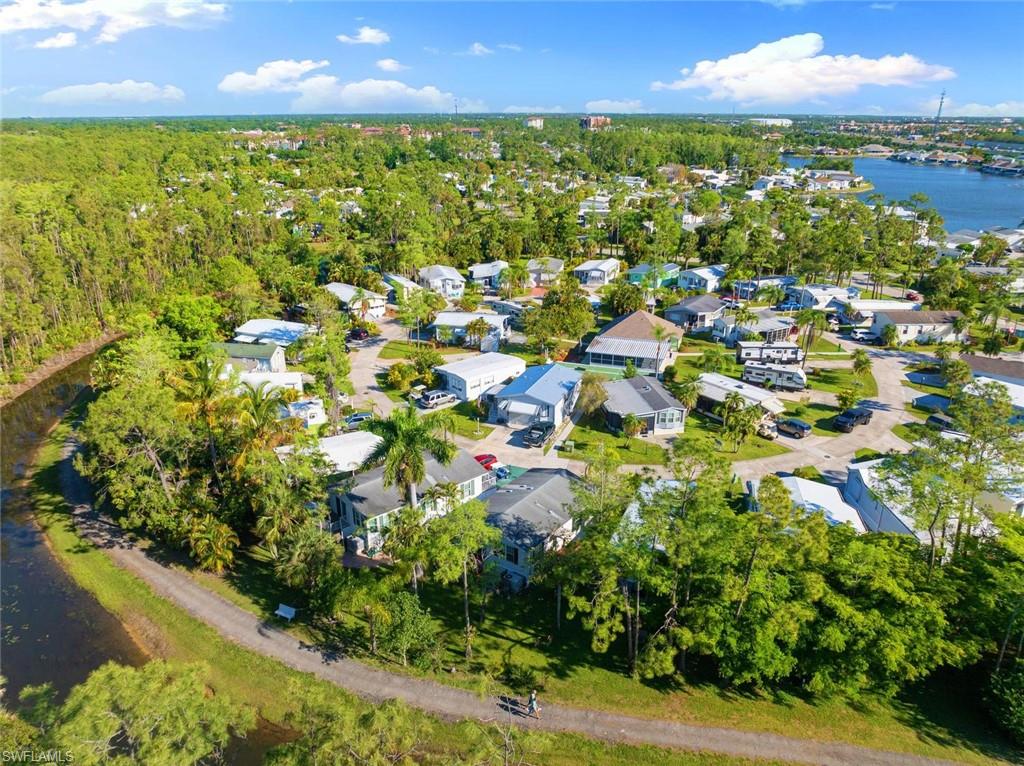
(848,420)
(538,434)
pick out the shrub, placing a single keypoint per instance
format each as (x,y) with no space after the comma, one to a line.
(1006,700)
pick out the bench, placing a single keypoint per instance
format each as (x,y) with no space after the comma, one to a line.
(288,612)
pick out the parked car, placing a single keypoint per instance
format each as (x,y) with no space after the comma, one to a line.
(914,295)
(358,333)
(731,303)
(768,430)
(861,334)
(354,420)
(851,418)
(436,398)
(798,429)
(789,306)
(538,434)
(488,461)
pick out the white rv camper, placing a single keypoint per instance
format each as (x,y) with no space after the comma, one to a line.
(782,352)
(774,376)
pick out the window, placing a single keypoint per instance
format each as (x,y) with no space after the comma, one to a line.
(467,490)
(511,554)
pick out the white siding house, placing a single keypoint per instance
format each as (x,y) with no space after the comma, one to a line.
(469,378)
(364,304)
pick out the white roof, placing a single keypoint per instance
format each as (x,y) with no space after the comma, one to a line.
(484,364)
(717,387)
(398,279)
(708,272)
(348,293)
(271,331)
(594,265)
(272,379)
(463,318)
(484,270)
(430,273)
(813,496)
(345,452)
(877,305)
(1015,390)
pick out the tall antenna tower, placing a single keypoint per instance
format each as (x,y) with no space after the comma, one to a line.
(938,114)
(457,105)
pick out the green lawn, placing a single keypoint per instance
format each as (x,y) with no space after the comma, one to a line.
(467,422)
(391,393)
(910,432)
(269,687)
(835,380)
(529,354)
(698,342)
(823,344)
(699,427)
(865,453)
(590,435)
(403,349)
(820,416)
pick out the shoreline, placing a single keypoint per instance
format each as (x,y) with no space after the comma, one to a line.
(53,365)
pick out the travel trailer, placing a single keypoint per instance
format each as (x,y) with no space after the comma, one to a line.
(774,376)
(780,353)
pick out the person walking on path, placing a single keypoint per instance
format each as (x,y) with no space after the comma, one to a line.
(531,706)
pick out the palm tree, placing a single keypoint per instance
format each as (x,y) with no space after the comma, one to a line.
(712,360)
(812,322)
(744,316)
(592,393)
(661,334)
(861,362)
(203,390)
(687,392)
(309,554)
(994,308)
(259,415)
(213,543)
(631,426)
(477,330)
(773,295)
(407,438)
(516,276)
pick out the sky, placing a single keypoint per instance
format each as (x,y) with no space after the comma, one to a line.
(207,57)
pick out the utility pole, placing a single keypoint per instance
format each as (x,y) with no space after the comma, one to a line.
(938,114)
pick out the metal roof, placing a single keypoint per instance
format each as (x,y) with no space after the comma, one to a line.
(547,383)
(484,364)
(272,331)
(533,506)
(638,396)
(348,293)
(716,387)
(641,349)
(430,273)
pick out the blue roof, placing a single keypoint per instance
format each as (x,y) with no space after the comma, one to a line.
(548,383)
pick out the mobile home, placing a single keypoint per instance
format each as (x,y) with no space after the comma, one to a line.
(780,353)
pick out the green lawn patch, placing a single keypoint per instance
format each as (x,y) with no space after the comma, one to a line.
(531,355)
(699,427)
(689,344)
(824,344)
(820,416)
(865,453)
(403,349)
(910,432)
(835,380)
(809,472)
(391,393)
(467,422)
(591,434)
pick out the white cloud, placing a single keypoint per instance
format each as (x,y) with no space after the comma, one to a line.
(110,18)
(616,106)
(59,40)
(533,110)
(366,36)
(281,75)
(478,49)
(515,47)
(326,93)
(952,109)
(790,70)
(390,65)
(126,91)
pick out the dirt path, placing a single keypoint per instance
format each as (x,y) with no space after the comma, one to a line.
(332,665)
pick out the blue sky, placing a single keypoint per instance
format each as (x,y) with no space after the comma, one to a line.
(169,57)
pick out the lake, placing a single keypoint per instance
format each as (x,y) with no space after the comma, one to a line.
(965,198)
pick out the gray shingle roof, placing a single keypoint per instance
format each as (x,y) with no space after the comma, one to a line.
(638,396)
(533,506)
(698,304)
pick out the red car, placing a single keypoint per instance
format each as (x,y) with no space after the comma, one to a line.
(487,461)
(914,296)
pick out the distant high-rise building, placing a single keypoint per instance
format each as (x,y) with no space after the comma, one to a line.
(595,122)
(772,122)
(536,123)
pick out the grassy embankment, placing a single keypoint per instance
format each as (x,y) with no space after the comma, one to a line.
(268,686)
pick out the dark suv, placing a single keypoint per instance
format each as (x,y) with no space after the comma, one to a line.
(851,418)
(538,434)
(798,429)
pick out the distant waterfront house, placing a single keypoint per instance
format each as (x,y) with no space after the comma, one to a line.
(696,312)
(275,331)
(919,326)
(533,515)
(704,279)
(252,357)
(544,271)
(1014,285)
(443,280)
(469,378)
(457,321)
(488,275)
(542,394)
(876,150)
(632,338)
(646,398)
(642,274)
(767,326)
(358,302)
(597,272)
(364,508)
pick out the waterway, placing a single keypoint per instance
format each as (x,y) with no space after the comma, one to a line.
(964,197)
(51,629)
